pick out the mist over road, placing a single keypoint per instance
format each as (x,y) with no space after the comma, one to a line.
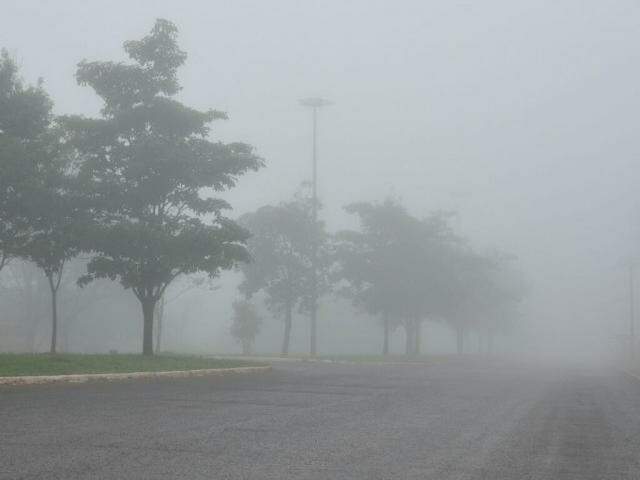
(331,421)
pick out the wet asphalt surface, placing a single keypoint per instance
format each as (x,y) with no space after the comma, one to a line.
(330,421)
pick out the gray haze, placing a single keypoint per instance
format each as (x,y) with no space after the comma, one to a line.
(520,115)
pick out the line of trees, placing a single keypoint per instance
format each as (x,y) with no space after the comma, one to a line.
(282,253)
(131,196)
(126,189)
(398,269)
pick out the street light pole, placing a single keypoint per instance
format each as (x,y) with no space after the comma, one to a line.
(632,308)
(315,104)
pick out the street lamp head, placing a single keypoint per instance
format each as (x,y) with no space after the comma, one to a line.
(315,102)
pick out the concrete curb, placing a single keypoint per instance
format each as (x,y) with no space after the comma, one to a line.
(327,361)
(114,377)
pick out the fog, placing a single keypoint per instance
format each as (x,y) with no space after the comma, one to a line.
(519,116)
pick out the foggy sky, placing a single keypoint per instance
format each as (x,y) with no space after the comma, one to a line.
(521,115)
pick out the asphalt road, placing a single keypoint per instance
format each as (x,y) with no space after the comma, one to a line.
(316,421)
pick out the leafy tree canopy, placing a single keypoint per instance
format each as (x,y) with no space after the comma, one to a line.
(25,117)
(281,249)
(148,168)
(395,264)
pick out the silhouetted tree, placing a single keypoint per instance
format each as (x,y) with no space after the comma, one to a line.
(280,246)
(147,165)
(503,292)
(395,266)
(246,324)
(367,263)
(41,214)
(25,116)
(483,295)
(464,298)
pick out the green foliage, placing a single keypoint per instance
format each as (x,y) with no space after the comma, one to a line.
(405,269)
(146,164)
(246,324)
(25,111)
(484,292)
(281,251)
(138,187)
(52,211)
(39,215)
(395,265)
(25,117)
(12,365)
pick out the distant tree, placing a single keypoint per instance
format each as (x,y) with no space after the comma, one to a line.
(367,260)
(483,295)
(147,169)
(246,324)
(281,251)
(394,266)
(503,293)
(464,298)
(25,117)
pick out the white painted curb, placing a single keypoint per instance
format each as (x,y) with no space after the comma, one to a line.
(114,377)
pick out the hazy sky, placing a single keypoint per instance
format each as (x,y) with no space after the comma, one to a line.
(521,114)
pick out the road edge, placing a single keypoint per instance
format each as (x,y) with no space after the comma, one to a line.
(114,377)
(321,360)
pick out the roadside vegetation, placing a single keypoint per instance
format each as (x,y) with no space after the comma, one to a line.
(12,365)
(132,199)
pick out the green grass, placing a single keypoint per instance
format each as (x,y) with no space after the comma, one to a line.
(12,365)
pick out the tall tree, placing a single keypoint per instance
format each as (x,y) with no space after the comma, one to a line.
(39,217)
(148,166)
(281,251)
(368,261)
(25,116)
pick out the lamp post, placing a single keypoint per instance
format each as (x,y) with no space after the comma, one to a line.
(315,103)
(632,313)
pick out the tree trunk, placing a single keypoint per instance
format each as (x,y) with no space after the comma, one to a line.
(54,314)
(287,331)
(385,345)
(460,340)
(159,333)
(148,307)
(159,312)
